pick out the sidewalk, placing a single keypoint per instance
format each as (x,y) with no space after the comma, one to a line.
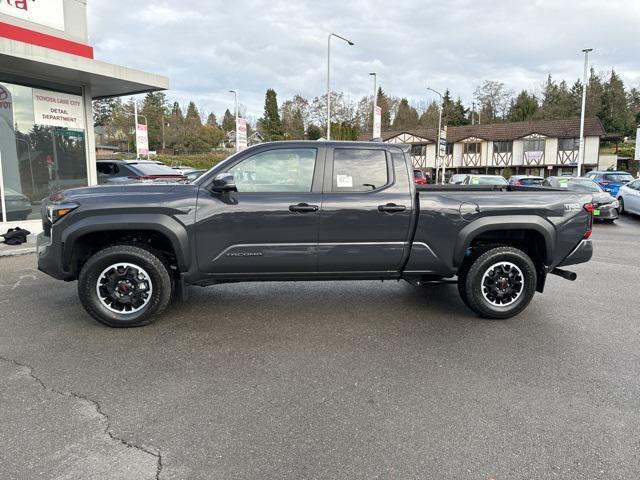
(34,226)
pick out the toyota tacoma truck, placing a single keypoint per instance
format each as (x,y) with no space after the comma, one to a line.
(290,211)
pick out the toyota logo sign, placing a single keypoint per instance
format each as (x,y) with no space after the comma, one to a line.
(4,95)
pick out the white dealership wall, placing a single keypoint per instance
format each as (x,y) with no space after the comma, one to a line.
(30,62)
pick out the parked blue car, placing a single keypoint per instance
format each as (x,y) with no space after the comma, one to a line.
(610,181)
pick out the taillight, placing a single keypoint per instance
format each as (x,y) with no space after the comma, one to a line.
(589,208)
(517,183)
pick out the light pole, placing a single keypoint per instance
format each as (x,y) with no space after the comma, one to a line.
(329,78)
(375,102)
(584,100)
(439,130)
(235,92)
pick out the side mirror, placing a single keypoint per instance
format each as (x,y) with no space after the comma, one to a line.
(224,182)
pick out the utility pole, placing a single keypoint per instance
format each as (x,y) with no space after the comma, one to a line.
(375,101)
(329,78)
(584,100)
(235,92)
(438,157)
(473,113)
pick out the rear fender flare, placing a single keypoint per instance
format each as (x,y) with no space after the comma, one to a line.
(512,222)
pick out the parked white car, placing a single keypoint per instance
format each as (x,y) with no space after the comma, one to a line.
(629,197)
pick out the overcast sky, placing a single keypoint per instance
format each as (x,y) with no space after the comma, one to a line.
(207,47)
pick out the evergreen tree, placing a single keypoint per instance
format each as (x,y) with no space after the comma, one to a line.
(228,121)
(212,120)
(616,116)
(524,107)
(271,124)
(407,116)
(292,121)
(557,101)
(154,108)
(192,119)
(175,132)
(453,113)
(313,132)
(595,91)
(383,102)
(429,118)
(103,111)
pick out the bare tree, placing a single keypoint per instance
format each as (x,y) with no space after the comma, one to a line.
(494,99)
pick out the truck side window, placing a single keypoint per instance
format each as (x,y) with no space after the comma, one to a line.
(279,170)
(359,170)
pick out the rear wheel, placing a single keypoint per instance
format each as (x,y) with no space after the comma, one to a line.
(499,283)
(125,286)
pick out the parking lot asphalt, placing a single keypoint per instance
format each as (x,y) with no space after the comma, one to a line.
(327,380)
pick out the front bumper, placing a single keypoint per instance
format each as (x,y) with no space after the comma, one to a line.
(606,212)
(581,254)
(50,258)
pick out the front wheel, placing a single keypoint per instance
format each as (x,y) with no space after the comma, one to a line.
(500,283)
(621,206)
(125,286)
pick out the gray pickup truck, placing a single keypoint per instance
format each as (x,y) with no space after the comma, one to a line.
(309,211)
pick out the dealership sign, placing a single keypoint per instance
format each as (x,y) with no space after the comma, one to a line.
(377,122)
(58,109)
(533,156)
(142,139)
(49,13)
(241,128)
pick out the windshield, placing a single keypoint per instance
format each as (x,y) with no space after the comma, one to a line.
(153,169)
(583,186)
(618,177)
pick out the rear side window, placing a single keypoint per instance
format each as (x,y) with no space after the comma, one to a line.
(359,170)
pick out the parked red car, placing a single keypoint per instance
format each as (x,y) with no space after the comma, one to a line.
(420,177)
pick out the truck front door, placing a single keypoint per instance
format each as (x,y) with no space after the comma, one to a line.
(366,213)
(270,225)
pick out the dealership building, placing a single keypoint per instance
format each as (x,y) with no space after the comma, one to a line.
(48,78)
(545,147)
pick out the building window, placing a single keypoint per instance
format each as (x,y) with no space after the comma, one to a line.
(449,149)
(472,148)
(568,144)
(534,145)
(42,140)
(503,147)
(418,150)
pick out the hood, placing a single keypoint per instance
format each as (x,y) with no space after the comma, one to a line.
(125,190)
(602,198)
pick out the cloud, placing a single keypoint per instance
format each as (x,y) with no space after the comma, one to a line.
(208,47)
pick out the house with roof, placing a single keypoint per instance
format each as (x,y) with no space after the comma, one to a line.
(545,147)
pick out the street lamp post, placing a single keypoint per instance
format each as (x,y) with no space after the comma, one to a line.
(329,78)
(375,102)
(584,100)
(438,158)
(235,92)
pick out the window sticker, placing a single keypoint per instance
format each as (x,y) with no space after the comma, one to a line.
(344,181)
(475,181)
(564,183)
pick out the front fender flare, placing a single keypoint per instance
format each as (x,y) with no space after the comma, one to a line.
(175,231)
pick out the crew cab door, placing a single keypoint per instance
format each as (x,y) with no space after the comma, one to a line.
(367,210)
(270,225)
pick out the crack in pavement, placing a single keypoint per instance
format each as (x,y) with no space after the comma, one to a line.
(153,451)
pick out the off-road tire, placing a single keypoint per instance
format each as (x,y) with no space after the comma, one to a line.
(149,260)
(471,286)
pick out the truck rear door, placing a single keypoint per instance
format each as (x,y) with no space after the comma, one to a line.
(367,210)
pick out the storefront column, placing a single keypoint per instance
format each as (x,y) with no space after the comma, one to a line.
(90,138)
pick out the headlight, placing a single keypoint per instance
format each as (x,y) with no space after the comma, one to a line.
(615,204)
(56,212)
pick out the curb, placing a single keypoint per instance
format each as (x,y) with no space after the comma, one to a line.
(17,251)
